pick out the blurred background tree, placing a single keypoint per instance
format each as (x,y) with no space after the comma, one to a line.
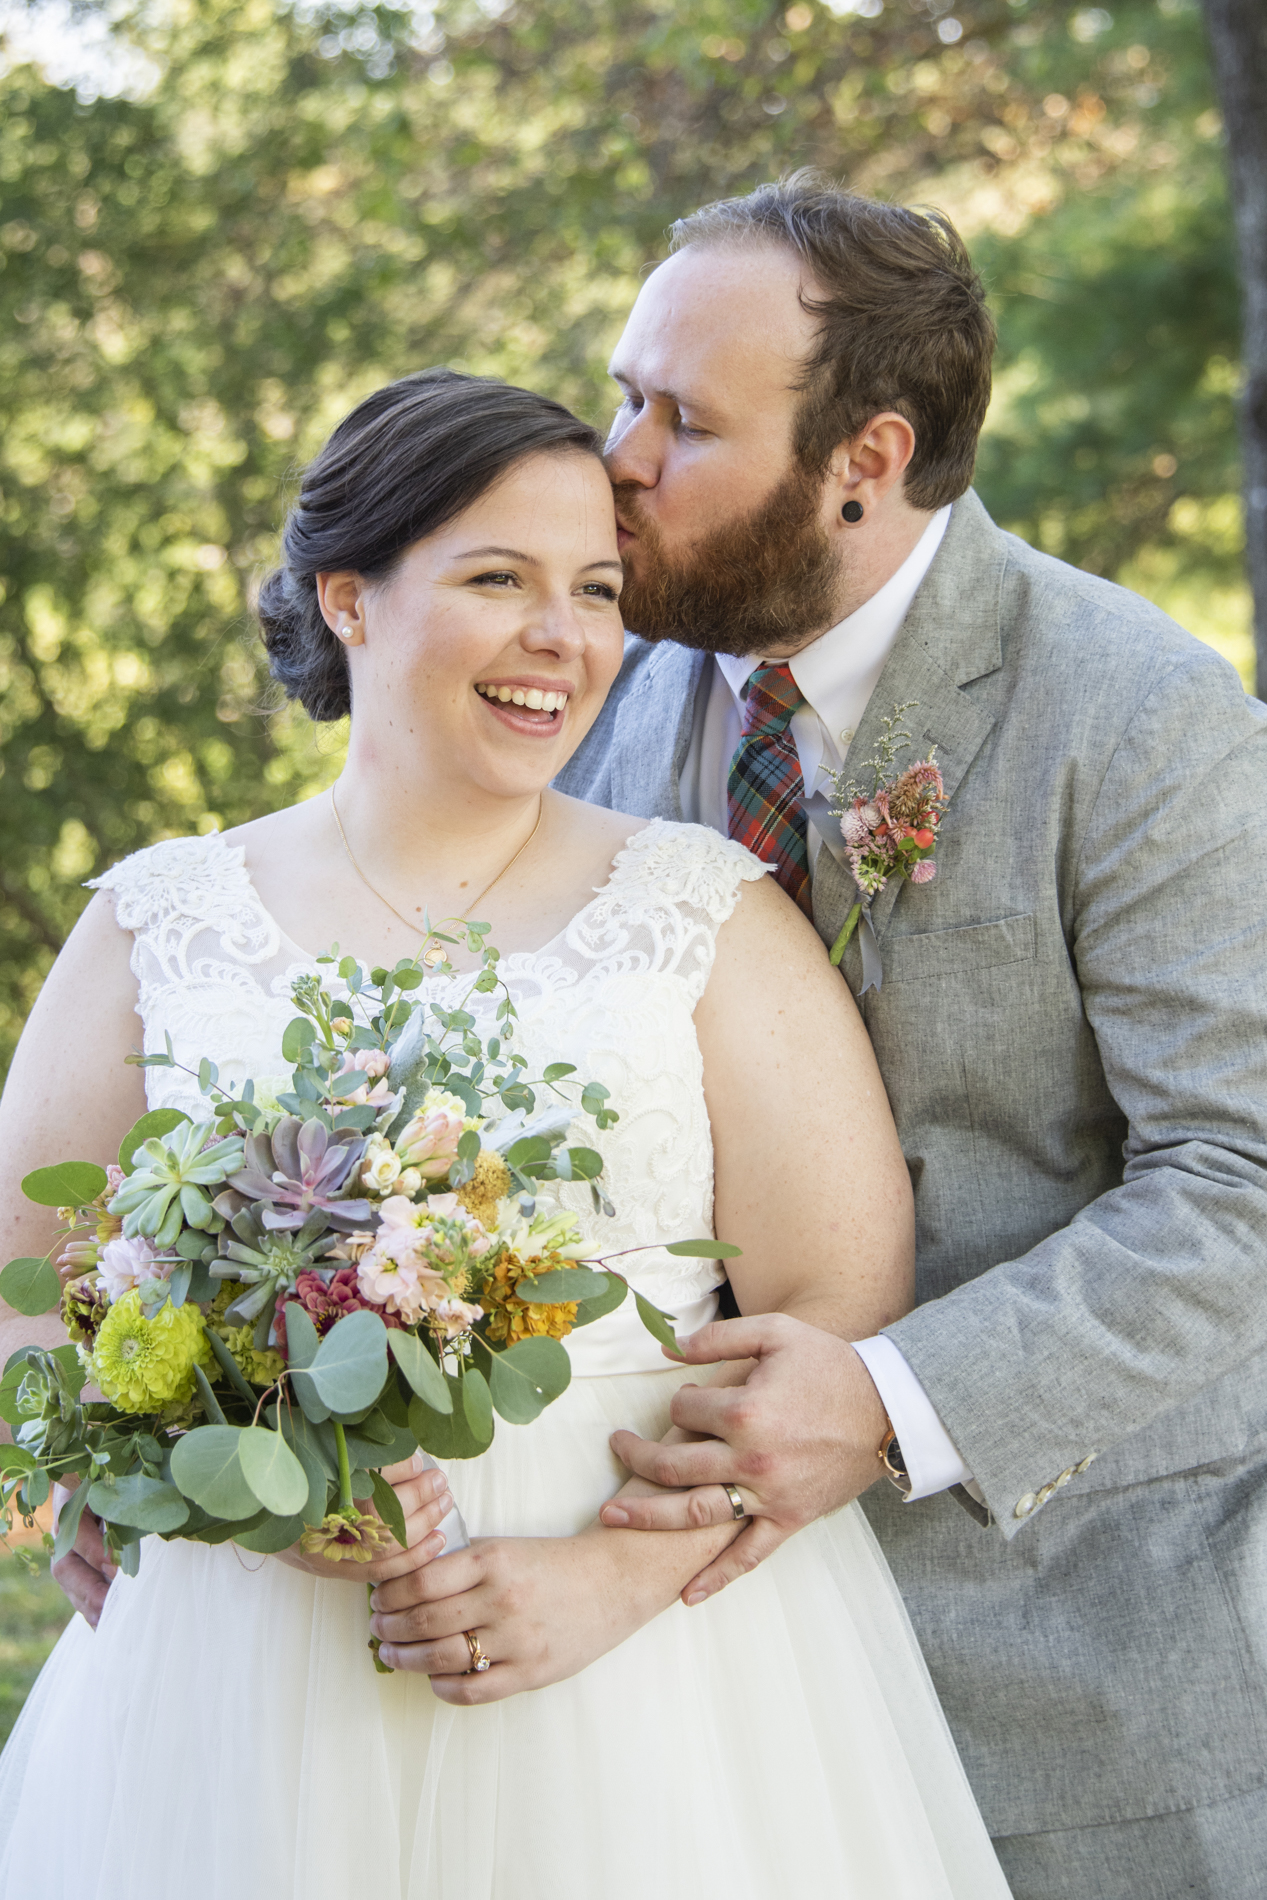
(223,221)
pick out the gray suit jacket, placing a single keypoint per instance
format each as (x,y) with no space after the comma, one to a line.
(1073,1034)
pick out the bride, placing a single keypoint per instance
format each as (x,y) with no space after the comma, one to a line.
(452,575)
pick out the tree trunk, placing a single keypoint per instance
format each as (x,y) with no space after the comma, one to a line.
(1238,45)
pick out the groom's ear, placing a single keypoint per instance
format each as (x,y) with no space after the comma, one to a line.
(867,470)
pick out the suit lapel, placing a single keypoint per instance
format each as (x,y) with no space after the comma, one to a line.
(653,731)
(950,637)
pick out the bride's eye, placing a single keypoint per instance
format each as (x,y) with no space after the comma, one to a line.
(499,577)
(601,590)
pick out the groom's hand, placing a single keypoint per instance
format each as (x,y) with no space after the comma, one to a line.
(798,1440)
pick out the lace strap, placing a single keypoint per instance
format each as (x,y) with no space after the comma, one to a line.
(690,865)
(181,887)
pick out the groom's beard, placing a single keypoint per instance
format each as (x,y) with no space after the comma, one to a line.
(765,583)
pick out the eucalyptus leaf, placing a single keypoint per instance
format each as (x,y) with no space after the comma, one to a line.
(477,1404)
(129,1555)
(298,1034)
(146,1504)
(421,1370)
(387,1504)
(68,1522)
(523,1380)
(302,1337)
(224,1533)
(564,1285)
(704,1249)
(351,1362)
(206,1468)
(158,1121)
(211,1404)
(31,1286)
(658,1324)
(590,1310)
(445,1435)
(271,1534)
(272,1470)
(365,1454)
(67,1184)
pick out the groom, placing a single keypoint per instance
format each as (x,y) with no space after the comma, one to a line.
(1070,1429)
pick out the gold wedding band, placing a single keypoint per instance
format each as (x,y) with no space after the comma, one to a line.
(736,1502)
(479,1661)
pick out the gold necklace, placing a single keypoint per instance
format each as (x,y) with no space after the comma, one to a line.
(435,954)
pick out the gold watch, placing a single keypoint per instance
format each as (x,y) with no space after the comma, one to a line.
(890,1456)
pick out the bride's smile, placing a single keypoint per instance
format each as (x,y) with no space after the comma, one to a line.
(481,660)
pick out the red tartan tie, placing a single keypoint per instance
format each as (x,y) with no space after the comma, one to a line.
(765,791)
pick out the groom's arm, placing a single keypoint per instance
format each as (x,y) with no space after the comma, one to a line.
(1155,1290)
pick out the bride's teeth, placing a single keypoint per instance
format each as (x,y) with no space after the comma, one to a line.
(504,694)
(532,698)
(519,696)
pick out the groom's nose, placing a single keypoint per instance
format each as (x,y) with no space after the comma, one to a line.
(634,451)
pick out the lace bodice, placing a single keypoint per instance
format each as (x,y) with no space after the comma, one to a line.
(613,993)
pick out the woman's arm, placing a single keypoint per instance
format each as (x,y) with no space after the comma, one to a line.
(69,1094)
(810,1178)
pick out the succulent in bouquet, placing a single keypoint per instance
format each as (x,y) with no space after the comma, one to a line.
(319,1275)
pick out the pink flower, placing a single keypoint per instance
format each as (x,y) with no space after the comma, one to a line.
(871,816)
(924,872)
(853,829)
(375,1064)
(125,1263)
(115,1177)
(430,1138)
(325,1304)
(399,1283)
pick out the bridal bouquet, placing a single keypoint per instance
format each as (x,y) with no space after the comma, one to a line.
(323,1273)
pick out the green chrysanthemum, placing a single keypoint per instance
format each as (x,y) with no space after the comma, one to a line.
(144,1364)
(260,1368)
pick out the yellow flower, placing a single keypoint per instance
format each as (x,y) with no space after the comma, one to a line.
(144,1364)
(512,1319)
(487,1187)
(353,1534)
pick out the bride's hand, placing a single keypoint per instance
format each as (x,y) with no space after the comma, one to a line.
(86,1572)
(541,1608)
(425,1501)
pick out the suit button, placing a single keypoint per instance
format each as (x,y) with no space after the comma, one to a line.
(1045,1492)
(1065,1476)
(1088,1461)
(1026,1504)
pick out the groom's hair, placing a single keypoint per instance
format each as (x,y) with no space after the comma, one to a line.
(903,322)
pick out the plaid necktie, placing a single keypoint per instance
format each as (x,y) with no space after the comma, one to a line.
(765,790)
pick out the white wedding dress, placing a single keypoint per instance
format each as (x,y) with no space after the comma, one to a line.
(223,1734)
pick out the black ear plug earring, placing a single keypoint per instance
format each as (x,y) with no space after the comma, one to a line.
(852,511)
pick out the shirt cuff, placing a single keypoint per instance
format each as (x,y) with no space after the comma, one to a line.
(932,1461)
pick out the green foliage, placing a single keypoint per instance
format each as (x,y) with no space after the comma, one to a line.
(196,283)
(33,1614)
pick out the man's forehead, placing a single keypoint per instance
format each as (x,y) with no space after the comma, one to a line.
(717,317)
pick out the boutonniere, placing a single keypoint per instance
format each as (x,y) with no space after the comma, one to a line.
(889,831)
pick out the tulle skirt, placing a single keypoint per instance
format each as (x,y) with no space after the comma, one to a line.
(224,1733)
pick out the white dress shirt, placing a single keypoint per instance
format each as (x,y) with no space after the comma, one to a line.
(837,673)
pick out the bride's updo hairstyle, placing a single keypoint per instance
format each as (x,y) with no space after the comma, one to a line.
(402,465)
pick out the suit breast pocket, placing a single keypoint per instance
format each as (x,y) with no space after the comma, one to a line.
(927,954)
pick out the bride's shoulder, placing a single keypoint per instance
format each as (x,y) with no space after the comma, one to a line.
(691,865)
(193,875)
